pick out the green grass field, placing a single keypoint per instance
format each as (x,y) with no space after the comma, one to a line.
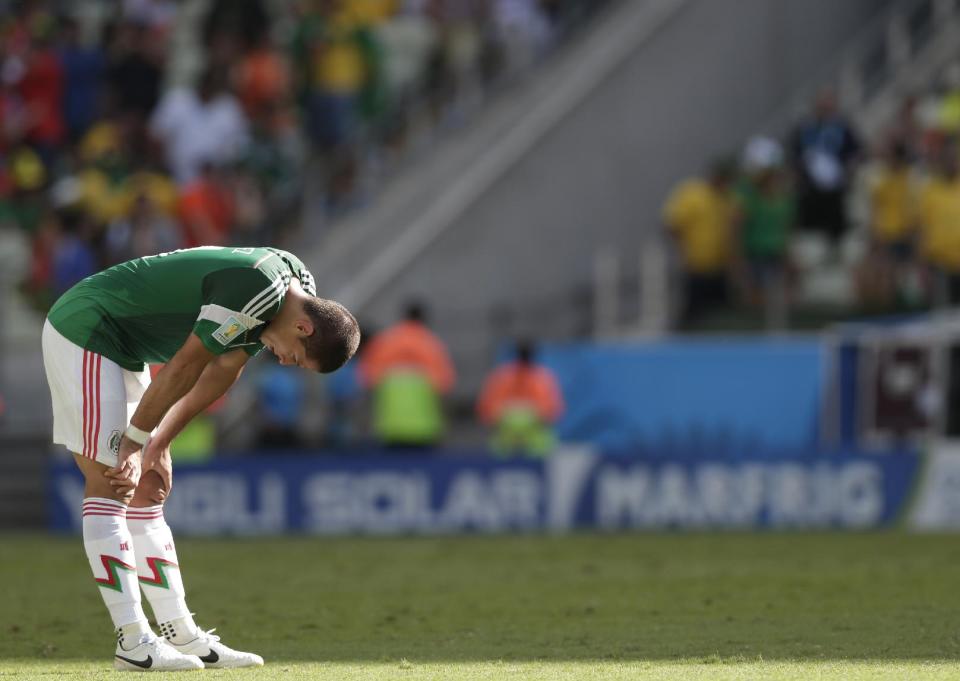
(685,606)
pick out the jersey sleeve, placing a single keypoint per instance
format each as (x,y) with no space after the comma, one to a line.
(237,304)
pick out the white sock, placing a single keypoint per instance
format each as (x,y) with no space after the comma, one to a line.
(159,572)
(180,630)
(129,635)
(110,551)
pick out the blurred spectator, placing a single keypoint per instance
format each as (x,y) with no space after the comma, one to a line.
(273,161)
(146,230)
(38,286)
(824,148)
(893,219)
(767,207)
(262,79)
(206,209)
(344,393)
(701,214)
(520,401)
(341,80)
(157,15)
(345,397)
(567,15)
(103,176)
(84,67)
(463,58)
(249,209)
(14,116)
(522,33)
(26,178)
(135,70)
(927,114)
(913,253)
(408,369)
(111,181)
(940,228)
(72,257)
(407,40)
(341,63)
(40,86)
(152,183)
(231,27)
(907,131)
(948,114)
(280,394)
(205,124)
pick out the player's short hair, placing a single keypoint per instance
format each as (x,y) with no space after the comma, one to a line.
(335,336)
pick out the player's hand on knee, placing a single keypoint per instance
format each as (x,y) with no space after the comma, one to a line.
(126,475)
(156,457)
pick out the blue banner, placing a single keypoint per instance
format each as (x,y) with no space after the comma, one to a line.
(757,395)
(571,490)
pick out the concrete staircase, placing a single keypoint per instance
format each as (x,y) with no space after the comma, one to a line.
(513,212)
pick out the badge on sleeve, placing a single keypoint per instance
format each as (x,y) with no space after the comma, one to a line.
(229,330)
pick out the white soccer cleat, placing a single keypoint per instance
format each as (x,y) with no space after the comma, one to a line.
(207,647)
(153,654)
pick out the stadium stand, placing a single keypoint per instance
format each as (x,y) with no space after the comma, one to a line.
(172,124)
(870,193)
(102,182)
(111,153)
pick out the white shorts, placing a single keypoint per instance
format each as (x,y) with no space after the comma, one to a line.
(93,397)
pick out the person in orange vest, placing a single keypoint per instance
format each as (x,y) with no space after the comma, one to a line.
(521,400)
(408,369)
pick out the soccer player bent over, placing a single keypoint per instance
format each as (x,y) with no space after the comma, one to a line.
(203,312)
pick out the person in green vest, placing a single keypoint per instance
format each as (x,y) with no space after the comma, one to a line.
(408,369)
(767,214)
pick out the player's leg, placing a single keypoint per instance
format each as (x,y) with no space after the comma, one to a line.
(110,552)
(83,388)
(158,568)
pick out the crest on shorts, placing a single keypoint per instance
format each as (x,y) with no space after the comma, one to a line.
(113,442)
(229,330)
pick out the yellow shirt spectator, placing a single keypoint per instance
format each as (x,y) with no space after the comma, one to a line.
(940,223)
(158,188)
(106,201)
(340,68)
(370,12)
(101,140)
(702,217)
(103,199)
(893,205)
(339,65)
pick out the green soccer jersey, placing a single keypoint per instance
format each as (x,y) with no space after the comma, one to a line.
(143,310)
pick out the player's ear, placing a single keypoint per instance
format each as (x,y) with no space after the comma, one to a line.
(304,327)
